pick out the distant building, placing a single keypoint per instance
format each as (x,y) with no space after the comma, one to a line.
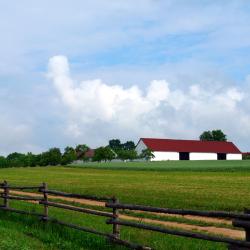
(169,149)
(89,154)
(246,154)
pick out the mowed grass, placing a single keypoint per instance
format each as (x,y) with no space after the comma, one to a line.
(28,233)
(198,185)
(223,185)
(172,165)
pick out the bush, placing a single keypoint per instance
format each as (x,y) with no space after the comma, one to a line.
(246,157)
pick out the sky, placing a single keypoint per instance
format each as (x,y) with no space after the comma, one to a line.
(83,72)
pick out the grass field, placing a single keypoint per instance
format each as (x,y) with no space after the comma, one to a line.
(214,185)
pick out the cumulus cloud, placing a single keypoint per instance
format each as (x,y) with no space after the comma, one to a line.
(158,110)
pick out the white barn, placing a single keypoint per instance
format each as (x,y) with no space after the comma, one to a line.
(169,149)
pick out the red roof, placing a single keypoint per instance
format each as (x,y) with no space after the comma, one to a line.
(90,153)
(171,145)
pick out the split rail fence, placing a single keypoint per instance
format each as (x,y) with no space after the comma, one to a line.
(241,220)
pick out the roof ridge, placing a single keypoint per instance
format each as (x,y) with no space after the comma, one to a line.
(170,139)
(181,145)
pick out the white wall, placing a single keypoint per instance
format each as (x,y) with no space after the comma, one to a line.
(203,156)
(163,156)
(140,146)
(234,156)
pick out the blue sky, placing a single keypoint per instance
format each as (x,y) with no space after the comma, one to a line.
(165,69)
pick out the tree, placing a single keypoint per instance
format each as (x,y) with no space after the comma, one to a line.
(52,157)
(17,160)
(218,135)
(44,159)
(3,162)
(31,160)
(147,154)
(214,135)
(115,144)
(69,155)
(245,156)
(127,154)
(80,150)
(55,156)
(104,154)
(129,145)
(206,136)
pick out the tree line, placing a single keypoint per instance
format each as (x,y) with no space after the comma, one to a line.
(52,157)
(114,150)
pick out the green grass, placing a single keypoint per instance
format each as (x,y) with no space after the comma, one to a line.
(204,189)
(171,165)
(28,233)
(206,185)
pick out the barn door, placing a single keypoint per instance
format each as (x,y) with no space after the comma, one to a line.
(221,156)
(184,156)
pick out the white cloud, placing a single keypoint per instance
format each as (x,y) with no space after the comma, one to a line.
(158,110)
(15,137)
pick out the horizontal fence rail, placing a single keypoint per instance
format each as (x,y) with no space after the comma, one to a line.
(241,220)
(78,209)
(77,196)
(215,214)
(181,233)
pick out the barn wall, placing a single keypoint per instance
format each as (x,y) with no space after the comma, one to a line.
(234,156)
(140,146)
(163,156)
(203,156)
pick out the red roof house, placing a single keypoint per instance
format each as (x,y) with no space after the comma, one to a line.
(167,149)
(89,153)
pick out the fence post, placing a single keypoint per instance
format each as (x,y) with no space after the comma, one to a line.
(116,228)
(6,194)
(247,211)
(45,199)
(247,231)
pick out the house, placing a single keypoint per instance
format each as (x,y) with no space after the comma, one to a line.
(89,154)
(170,149)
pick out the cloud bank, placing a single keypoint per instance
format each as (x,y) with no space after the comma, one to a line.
(97,111)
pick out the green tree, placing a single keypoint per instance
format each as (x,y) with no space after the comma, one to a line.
(104,154)
(206,136)
(3,162)
(129,145)
(69,155)
(17,160)
(55,156)
(80,150)
(44,159)
(218,135)
(214,135)
(52,157)
(147,154)
(127,154)
(115,144)
(31,159)
(245,156)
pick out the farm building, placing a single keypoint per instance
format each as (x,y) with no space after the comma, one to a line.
(169,149)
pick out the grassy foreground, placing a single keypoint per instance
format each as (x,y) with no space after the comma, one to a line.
(224,186)
(206,185)
(28,233)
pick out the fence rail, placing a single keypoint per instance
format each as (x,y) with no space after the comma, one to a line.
(241,220)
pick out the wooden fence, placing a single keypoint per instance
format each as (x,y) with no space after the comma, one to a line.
(241,220)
